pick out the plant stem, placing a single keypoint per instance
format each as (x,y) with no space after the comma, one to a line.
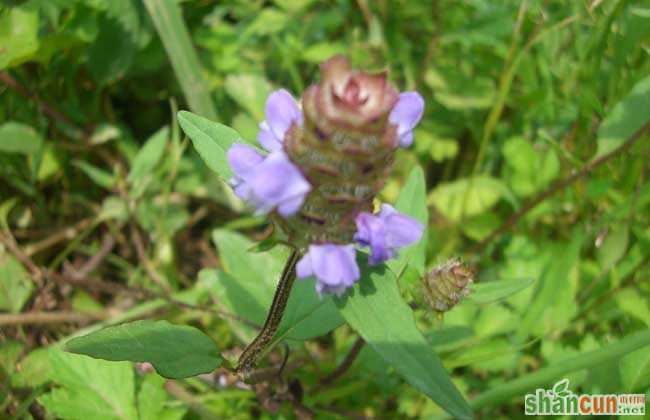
(345,364)
(30,318)
(280,298)
(559,185)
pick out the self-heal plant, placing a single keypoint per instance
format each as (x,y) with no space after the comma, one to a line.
(316,172)
(326,165)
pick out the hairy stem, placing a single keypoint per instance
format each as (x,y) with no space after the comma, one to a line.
(273,319)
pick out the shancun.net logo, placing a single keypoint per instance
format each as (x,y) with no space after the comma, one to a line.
(560,400)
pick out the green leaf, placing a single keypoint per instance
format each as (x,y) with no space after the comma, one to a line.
(635,370)
(495,291)
(461,93)
(149,156)
(15,283)
(494,355)
(35,369)
(175,351)
(258,272)
(307,315)
(212,140)
(466,197)
(548,375)
(10,351)
(16,137)
(91,389)
(153,401)
(480,226)
(439,148)
(527,169)
(250,92)
(375,309)
(114,207)
(98,176)
(248,284)
(626,118)
(553,305)
(114,49)
(633,304)
(18,35)
(267,21)
(613,247)
(317,53)
(412,202)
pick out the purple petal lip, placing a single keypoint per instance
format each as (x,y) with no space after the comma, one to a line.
(281,112)
(243,158)
(334,266)
(386,232)
(406,114)
(271,182)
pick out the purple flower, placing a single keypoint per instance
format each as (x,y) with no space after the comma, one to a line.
(334,266)
(405,115)
(267,182)
(385,232)
(281,112)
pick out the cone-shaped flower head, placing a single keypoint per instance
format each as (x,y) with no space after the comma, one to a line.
(327,163)
(445,285)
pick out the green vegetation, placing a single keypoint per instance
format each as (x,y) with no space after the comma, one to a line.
(120,239)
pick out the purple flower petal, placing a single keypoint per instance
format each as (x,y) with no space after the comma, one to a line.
(385,232)
(304,268)
(277,181)
(334,266)
(267,182)
(281,112)
(241,189)
(243,158)
(291,205)
(401,230)
(406,113)
(406,139)
(371,231)
(267,139)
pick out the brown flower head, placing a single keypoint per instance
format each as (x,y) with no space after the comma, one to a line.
(347,98)
(447,284)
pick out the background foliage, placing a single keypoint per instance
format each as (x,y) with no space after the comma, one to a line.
(108,214)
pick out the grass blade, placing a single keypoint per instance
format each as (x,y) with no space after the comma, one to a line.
(548,375)
(167,18)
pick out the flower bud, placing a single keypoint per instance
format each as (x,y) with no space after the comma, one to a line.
(444,286)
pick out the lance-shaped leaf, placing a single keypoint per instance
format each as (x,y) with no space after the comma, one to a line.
(212,140)
(412,201)
(175,351)
(375,309)
(495,291)
(625,118)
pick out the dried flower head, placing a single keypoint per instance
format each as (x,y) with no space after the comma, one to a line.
(445,286)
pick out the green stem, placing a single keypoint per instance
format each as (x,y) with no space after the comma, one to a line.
(280,298)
